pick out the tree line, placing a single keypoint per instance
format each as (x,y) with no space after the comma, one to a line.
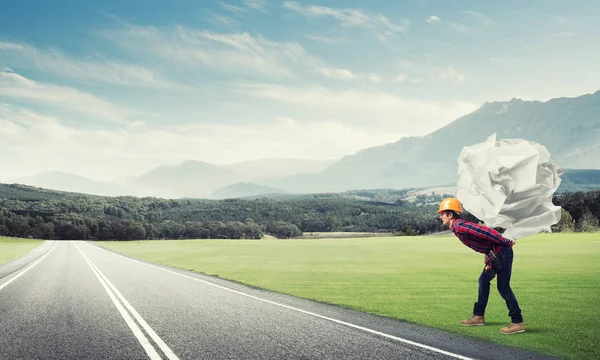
(45,214)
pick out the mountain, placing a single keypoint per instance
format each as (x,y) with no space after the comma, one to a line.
(568,127)
(63,181)
(189,179)
(277,168)
(244,189)
(202,179)
(579,180)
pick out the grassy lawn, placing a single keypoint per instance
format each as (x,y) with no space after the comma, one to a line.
(426,280)
(12,248)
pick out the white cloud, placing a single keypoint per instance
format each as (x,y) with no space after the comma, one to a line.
(428,69)
(433,19)
(383,27)
(222,20)
(461,28)
(230,7)
(401,78)
(483,19)
(233,53)
(344,74)
(139,149)
(249,5)
(18,87)
(327,39)
(558,19)
(375,78)
(348,17)
(474,21)
(107,71)
(255,4)
(332,73)
(451,73)
(567,34)
(386,111)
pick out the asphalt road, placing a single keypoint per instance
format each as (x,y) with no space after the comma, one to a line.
(73,300)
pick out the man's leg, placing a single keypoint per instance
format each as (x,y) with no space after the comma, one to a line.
(483,294)
(514,311)
(482,300)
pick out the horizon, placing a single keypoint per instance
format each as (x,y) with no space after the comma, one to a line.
(115,90)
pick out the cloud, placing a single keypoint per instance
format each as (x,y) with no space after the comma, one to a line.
(18,87)
(483,19)
(327,39)
(433,19)
(429,69)
(461,28)
(345,74)
(102,153)
(474,21)
(567,34)
(450,73)
(248,5)
(231,53)
(222,20)
(558,19)
(255,4)
(383,27)
(363,108)
(230,7)
(332,73)
(106,71)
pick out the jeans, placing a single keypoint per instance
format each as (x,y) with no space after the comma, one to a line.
(503,281)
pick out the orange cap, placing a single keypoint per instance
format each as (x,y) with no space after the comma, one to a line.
(450,204)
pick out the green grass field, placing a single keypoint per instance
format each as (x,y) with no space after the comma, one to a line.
(426,280)
(12,248)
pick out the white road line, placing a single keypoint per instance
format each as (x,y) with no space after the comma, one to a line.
(406,341)
(163,346)
(132,325)
(27,268)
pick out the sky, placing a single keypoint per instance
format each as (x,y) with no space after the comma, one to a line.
(109,89)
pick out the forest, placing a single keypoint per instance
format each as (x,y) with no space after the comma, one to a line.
(46,214)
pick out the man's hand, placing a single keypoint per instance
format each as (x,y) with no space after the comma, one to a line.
(512,242)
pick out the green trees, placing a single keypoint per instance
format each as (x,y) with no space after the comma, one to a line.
(31,212)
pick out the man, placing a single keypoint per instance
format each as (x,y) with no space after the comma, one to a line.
(498,259)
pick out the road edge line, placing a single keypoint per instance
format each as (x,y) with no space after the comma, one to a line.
(28,268)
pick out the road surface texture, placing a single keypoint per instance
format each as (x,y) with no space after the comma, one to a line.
(74,300)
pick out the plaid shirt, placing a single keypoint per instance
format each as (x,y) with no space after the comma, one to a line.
(478,237)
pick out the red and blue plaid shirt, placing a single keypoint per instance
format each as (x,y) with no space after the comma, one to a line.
(479,237)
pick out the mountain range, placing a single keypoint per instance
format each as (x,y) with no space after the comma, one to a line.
(191,179)
(568,127)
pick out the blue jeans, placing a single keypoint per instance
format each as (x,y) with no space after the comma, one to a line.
(503,281)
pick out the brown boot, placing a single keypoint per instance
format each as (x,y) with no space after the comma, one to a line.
(513,328)
(475,320)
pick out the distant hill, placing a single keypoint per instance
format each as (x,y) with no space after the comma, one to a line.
(197,179)
(568,127)
(190,179)
(277,168)
(572,180)
(74,183)
(243,189)
(580,180)
(28,193)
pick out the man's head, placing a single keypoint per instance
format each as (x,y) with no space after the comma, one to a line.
(448,216)
(450,210)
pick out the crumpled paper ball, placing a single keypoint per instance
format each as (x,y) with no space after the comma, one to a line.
(509,184)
